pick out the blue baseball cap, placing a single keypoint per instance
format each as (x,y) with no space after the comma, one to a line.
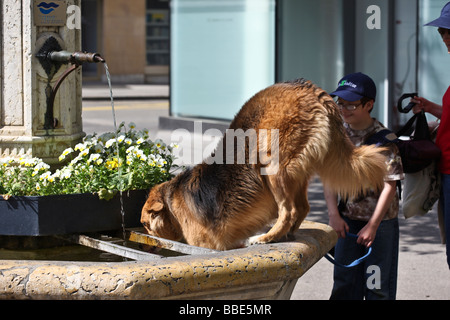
(444,20)
(355,86)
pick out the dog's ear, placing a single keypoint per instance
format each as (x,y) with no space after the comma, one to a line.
(157,206)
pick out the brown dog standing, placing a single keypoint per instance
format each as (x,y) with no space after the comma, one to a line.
(294,130)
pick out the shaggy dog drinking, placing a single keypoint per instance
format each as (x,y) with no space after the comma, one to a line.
(219,204)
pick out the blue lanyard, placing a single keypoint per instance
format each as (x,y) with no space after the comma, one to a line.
(354,263)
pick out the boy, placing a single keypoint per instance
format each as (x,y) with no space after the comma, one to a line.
(373,217)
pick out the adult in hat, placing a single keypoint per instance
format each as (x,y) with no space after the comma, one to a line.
(443,136)
(373,217)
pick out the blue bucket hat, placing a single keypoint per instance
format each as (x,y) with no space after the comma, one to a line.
(444,20)
(355,86)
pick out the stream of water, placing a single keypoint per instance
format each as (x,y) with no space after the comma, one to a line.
(122,211)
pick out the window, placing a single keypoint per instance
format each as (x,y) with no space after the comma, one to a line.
(157,30)
(223,52)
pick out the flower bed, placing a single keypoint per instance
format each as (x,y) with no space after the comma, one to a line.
(126,160)
(83,195)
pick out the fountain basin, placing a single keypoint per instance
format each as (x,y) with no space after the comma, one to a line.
(267,271)
(71,213)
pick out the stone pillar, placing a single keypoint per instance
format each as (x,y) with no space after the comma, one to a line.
(23,83)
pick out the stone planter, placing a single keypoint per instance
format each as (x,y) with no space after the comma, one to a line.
(73,213)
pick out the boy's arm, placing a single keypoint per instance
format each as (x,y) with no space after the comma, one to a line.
(335,220)
(368,233)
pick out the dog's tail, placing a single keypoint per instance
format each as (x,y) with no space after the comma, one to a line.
(350,170)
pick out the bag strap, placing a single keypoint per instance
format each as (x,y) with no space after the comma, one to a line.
(407,126)
(421,130)
(381,138)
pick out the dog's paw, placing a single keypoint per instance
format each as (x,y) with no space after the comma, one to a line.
(256,240)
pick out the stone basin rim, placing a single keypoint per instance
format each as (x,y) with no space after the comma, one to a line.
(172,277)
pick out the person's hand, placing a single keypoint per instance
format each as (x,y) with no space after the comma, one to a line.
(339,225)
(366,235)
(422,104)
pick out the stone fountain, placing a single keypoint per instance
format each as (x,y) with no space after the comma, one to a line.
(28,125)
(40,116)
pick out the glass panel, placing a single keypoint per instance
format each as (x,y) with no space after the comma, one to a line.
(222,53)
(434,77)
(311,41)
(372,55)
(405,61)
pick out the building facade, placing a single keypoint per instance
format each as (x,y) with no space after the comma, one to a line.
(221,52)
(133,36)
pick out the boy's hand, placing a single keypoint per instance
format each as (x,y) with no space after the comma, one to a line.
(366,235)
(339,225)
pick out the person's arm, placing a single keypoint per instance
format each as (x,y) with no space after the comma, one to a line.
(335,219)
(368,232)
(427,106)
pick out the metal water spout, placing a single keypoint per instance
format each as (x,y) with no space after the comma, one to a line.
(51,56)
(74,57)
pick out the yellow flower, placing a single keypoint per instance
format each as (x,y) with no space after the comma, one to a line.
(112,164)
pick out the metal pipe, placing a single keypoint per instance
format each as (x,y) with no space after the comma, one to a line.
(75,57)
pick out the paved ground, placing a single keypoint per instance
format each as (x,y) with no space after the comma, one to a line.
(423,272)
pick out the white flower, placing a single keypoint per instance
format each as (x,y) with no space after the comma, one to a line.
(121,138)
(140,140)
(80,147)
(110,142)
(45,175)
(130,149)
(6,161)
(94,157)
(41,166)
(132,125)
(85,152)
(74,161)
(65,153)
(66,173)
